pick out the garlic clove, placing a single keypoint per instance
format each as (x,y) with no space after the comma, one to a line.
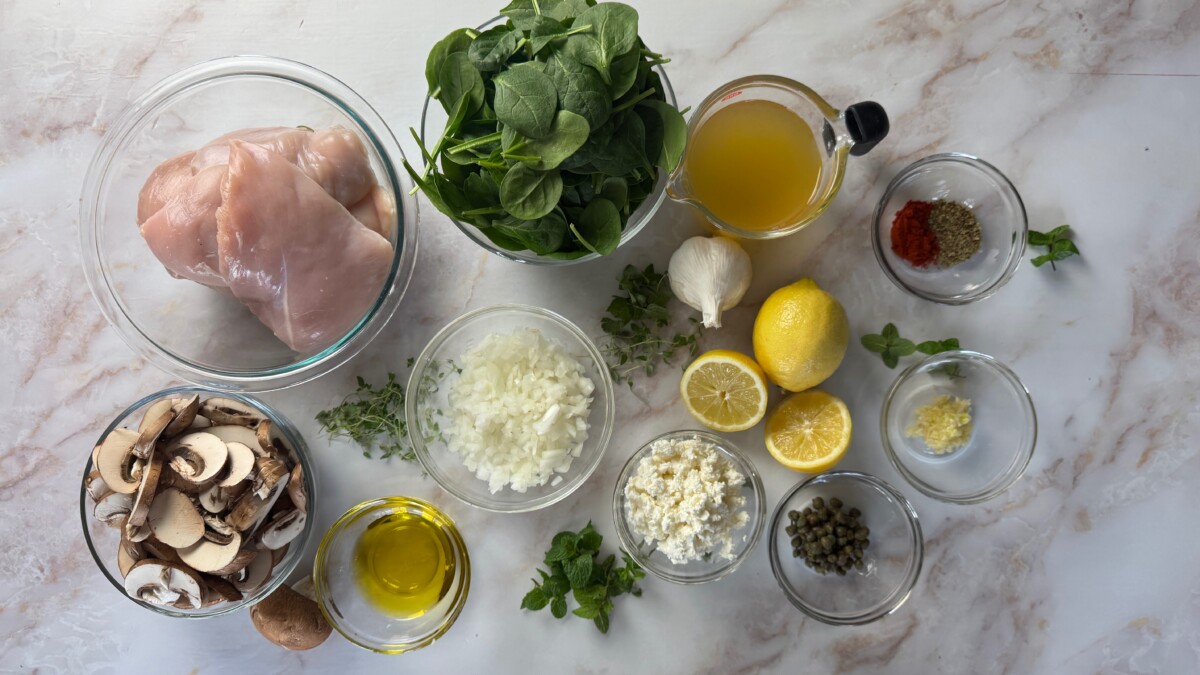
(710,274)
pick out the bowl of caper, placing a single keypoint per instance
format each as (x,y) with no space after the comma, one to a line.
(845,547)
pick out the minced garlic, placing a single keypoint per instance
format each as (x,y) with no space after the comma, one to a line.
(944,425)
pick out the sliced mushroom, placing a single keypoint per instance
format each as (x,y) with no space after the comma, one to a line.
(269,473)
(146,491)
(170,479)
(251,508)
(282,529)
(154,411)
(278,554)
(149,434)
(296,489)
(216,499)
(223,410)
(207,556)
(95,456)
(156,549)
(185,410)
(231,433)
(197,456)
(95,486)
(254,575)
(128,554)
(290,620)
(138,533)
(239,466)
(116,462)
(201,422)
(244,557)
(163,583)
(216,530)
(175,520)
(219,590)
(113,508)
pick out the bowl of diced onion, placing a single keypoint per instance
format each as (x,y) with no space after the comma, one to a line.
(510,408)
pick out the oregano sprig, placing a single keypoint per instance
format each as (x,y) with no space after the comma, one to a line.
(636,326)
(1058,246)
(573,567)
(891,347)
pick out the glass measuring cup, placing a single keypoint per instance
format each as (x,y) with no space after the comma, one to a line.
(838,134)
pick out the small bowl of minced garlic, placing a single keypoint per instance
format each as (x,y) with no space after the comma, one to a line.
(689,507)
(959,426)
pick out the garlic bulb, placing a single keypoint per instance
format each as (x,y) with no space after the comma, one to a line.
(710,274)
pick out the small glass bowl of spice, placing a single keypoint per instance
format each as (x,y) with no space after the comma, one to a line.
(959,426)
(950,228)
(689,507)
(845,547)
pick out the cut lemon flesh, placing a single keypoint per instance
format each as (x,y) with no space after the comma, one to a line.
(809,431)
(725,390)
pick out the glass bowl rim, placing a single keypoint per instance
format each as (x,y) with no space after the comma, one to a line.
(453,328)
(1016,252)
(463,567)
(899,595)
(295,552)
(758,515)
(338,95)
(1021,459)
(649,207)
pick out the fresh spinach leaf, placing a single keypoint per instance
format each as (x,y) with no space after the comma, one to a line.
(625,151)
(493,48)
(599,227)
(568,133)
(613,32)
(529,194)
(623,72)
(457,78)
(580,89)
(524,14)
(457,41)
(525,100)
(616,190)
(542,236)
(674,134)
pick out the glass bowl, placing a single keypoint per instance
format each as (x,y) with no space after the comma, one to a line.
(1002,440)
(170,321)
(996,204)
(893,559)
(433,120)
(714,566)
(103,540)
(342,602)
(433,374)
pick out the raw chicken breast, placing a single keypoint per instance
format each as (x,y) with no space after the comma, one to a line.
(295,256)
(335,158)
(377,211)
(163,182)
(183,233)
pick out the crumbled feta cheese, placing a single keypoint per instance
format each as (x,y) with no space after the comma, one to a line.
(519,410)
(687,497)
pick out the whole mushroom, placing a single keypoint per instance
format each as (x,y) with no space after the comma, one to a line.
(290,620)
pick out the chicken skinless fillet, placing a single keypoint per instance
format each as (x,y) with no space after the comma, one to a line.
(294,255)
(164,181)
(183,233)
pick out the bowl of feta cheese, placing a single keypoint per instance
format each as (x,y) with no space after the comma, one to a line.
(689,507)
(510,408)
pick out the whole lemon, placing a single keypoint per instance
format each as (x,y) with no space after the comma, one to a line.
(800,335)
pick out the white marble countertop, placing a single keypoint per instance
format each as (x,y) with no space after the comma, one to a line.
(1090,563)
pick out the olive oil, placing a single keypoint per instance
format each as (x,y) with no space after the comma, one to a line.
(404,564)
(754,165)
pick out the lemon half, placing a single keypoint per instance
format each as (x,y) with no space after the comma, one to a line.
(809,431)
(725,390)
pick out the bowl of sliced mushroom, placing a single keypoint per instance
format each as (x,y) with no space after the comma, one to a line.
(194,502)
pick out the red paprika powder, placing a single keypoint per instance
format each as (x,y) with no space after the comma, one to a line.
(912,239)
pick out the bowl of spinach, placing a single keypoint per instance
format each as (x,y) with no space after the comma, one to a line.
(560,131)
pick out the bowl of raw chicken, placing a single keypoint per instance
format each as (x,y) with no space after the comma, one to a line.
(245,225)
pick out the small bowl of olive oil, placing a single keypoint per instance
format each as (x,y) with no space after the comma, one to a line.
(392,574)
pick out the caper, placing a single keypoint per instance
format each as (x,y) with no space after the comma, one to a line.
(854,513)
(818,503)
(835,503)
(793,514)
(791,530)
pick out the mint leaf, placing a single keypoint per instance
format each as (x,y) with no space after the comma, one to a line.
(601,622)
(535,599)
(1058,232)
(874,343)
(558,607)
(586,612)
(890,332)
(579,570)
(1038,238)
(929,347)
(590,539)
(890,359)
(902,347)
(563,546)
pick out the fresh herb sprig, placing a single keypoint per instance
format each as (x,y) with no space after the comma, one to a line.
(637,338)
(574,567)
(891,347)
(1058,246)
(373,418)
